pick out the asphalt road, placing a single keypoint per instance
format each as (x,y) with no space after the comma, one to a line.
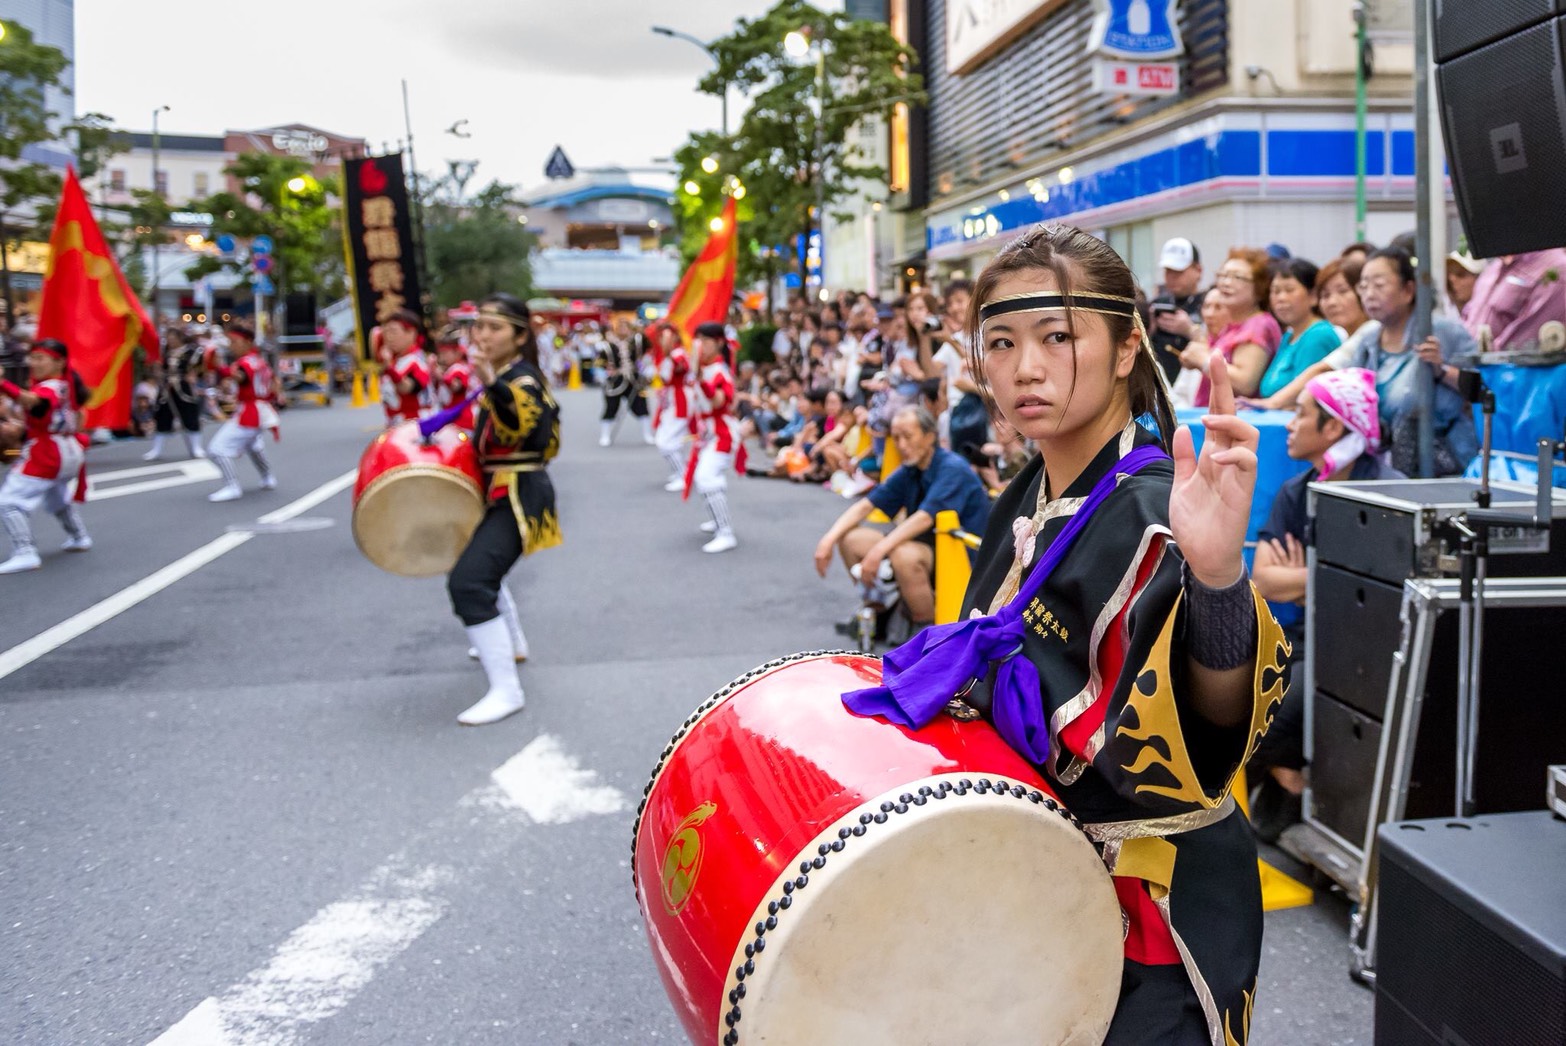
(243,803)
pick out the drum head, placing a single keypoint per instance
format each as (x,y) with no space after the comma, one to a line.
(416,519)
(973,917)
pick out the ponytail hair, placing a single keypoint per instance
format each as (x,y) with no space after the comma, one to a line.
(1081,264)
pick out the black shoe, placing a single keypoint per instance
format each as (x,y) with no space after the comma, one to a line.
(1273,809)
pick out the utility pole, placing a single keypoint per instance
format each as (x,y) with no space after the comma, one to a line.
(157,232)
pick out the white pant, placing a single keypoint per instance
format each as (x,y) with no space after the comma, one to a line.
(712,469)
(673,434)
(26,493)
(233,439)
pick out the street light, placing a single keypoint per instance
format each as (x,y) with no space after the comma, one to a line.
(709,164)
(663,30)
(297,184)
(797,43)
(158,189)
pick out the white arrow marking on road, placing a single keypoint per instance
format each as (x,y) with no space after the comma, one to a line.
(30,650)
(325,962)
(174,474)
(319,969)
(545,782)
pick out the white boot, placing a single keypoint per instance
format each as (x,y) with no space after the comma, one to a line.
(156,450)
(723,541)
(647,431)
(27,559)
(492,640)
(605,433)
(193,444)
(508,612)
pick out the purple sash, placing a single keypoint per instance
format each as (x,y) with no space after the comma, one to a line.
(435,422)
(921,676)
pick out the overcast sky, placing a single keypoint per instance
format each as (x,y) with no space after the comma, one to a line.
(527,75)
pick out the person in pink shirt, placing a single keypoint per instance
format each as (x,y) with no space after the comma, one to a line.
(1251,338)
(1515,296)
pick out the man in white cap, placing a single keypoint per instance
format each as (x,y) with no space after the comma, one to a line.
(1462,272)
(1177,312)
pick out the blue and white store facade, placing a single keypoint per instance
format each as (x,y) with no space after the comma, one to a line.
(1239,130)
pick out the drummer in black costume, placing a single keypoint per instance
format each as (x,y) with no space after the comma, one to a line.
(179,396)
(622,352)
(516,434)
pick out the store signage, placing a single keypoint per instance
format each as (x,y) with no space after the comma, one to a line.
(1136,29)
(1141,78)
(299,143)
(190,218)
(977,29)
(380,240)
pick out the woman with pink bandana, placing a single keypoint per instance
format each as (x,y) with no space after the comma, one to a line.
(1337,428)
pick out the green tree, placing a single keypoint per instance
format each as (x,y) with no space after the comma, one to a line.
(279,196)
(97,141)
(27,69)
(791,152)
(474,245)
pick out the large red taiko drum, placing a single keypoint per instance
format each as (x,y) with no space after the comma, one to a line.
(417,501)
(811,876)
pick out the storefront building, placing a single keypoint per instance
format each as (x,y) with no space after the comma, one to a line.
(1231,123)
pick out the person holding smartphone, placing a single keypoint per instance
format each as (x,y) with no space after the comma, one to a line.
(1177,313)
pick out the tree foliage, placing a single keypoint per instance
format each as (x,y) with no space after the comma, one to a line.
(776,153)
(474,245)
(27,70)
(304,223)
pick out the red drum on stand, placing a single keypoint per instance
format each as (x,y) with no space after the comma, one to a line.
(811,876)
(416,502)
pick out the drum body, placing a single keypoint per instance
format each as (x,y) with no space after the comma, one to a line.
(811,876)
(416,503)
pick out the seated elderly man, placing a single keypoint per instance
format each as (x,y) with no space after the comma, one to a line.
(930,480)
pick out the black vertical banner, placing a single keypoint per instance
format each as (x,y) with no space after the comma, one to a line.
(378,225)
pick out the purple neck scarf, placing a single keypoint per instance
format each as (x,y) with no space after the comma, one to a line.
(921,676)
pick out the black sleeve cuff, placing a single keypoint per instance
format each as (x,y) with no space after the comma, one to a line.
(1220,623)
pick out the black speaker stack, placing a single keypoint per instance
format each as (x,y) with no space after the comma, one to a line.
(1501,81)
(1369,537)
(1472,928)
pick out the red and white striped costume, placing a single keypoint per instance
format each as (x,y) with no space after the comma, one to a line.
(455,385)
(717,437)
(53,455)
(405,406)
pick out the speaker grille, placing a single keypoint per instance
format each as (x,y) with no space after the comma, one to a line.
(1453,974)
(1501,109)
(1462,25)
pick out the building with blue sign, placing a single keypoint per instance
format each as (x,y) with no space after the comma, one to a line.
(1229,123)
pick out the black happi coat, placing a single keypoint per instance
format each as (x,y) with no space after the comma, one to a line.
(517,433)
(1129,756)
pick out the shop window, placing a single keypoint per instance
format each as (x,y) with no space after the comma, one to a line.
(160,182)
(202,188)
(117,180)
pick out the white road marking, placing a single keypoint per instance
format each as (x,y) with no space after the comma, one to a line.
(321,967)
(173,474)
(324,963)
(547,784)
(30,650)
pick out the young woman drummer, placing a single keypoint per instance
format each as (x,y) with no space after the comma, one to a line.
(1138,666)
(516,433)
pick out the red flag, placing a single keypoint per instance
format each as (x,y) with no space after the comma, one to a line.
(88,305)
(707,287)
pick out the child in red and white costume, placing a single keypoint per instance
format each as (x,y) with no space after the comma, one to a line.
(454,382)
(673,426)
(406,382)
(51,457)
(242,433)
(718,445)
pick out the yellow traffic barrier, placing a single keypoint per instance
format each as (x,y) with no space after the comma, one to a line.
(952,568)
(1279,891)
(358,389)
(575,381)
(373,381)
(889,463)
